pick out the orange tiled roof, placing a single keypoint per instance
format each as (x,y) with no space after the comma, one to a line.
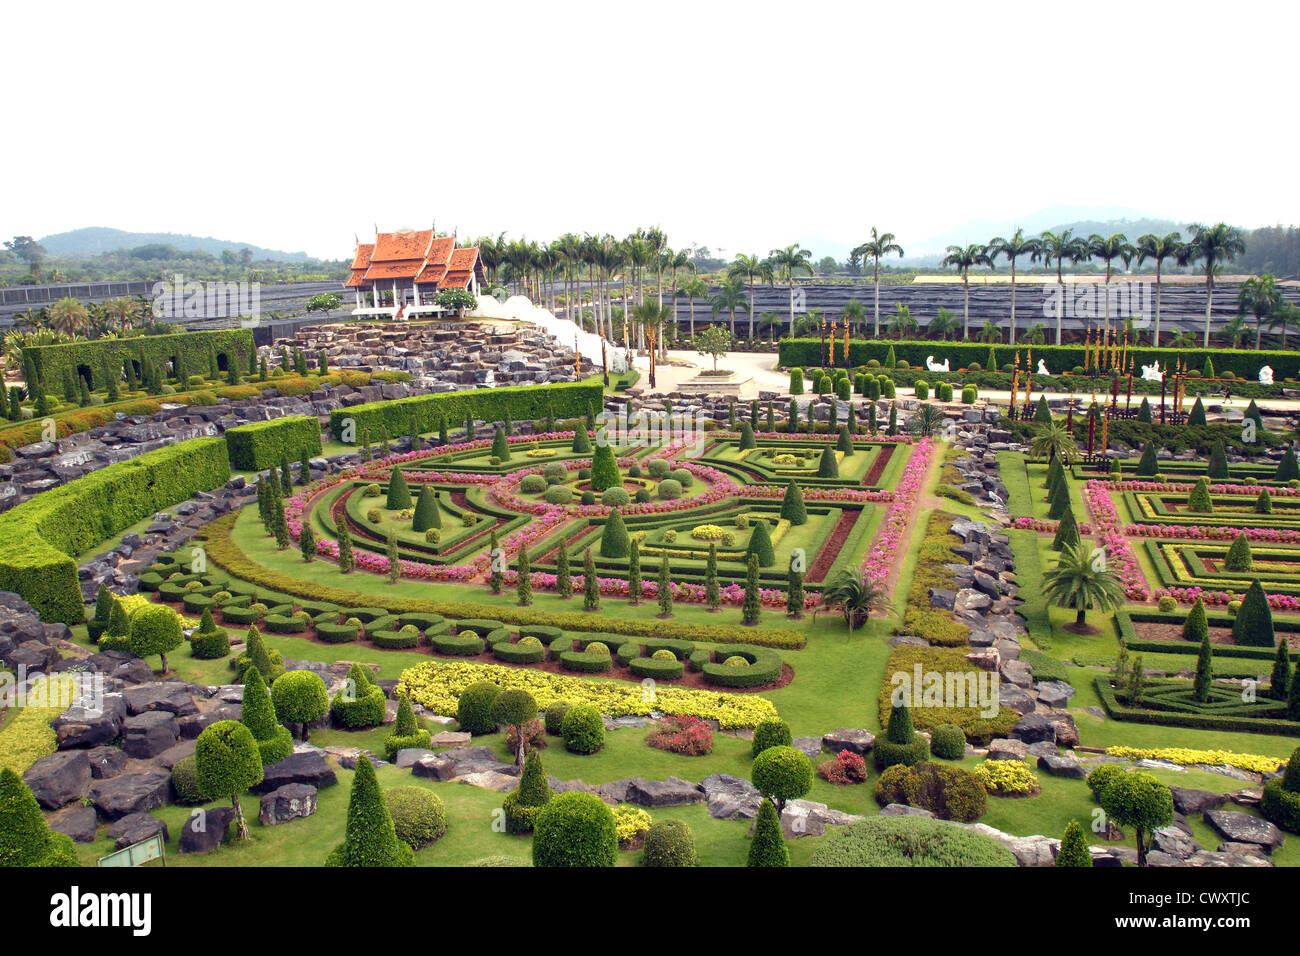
(362,258)
(413,254)
(397,246)
(435,267)
(461,268)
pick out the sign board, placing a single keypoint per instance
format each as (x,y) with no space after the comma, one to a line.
(138,854)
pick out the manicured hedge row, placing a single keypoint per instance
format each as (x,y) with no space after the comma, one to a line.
(193,348)
(38,537)
(224,553)
(1245,363)
(422,412)
(1138,715)
(263,444)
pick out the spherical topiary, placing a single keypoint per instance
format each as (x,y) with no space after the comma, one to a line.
(155,629)
(642,496)
(583,729)
(554,717)
(682,477)
(669,843)
(185,783)
(559,495)
(659,468)
(299,697)
(575,829)
(529,641)
(588,499)
(1100,777)
(615,497)
(735,661)
(597,647)
(474,709)
(670,489)
(554,472)
(634,471)
(1167,604)
(532,484)
(782,773)
(948,741)
(418,815)
(663,654)
(770,732)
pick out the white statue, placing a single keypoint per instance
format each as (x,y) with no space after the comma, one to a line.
(1266,375)
(1153,372)
(934,366)
(1042,368)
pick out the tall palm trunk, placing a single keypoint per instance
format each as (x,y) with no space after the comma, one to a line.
(1209,300)
(875,282)
(965,322)
(1060,300)
(751,311)
(690,300)
(1013,300)
(733,331)
(1155,338)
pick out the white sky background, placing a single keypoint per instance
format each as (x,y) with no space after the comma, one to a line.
(740,126)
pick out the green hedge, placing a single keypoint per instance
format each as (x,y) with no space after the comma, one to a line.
(39,537)
(1141,715)
(263,444)
(1244,363)
(194,349)
(516,402)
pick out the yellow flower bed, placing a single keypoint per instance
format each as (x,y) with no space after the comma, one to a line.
(1185,757)
(787,460)
(27,737)
(437,686)
(540,453)
(630,823)
(708,532)
(1003,777)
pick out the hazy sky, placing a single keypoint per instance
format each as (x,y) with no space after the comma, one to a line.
(741,126)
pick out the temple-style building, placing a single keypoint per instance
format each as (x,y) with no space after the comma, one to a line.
(408,269)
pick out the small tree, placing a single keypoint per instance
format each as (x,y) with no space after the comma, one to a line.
(760,544)
(828,466)
(665,588)
(751,605)
(155,629)
(1197,626)
(286,476)
(1264,503)
(604,469)
(515,708)
(394,557)
(712,596)
(524,578)
(370,838)
(1204,671)
(1218,469)
(1253,626)
(1074,848)
(1067,533)
(792,506)
(226,763)
(307,541)
(500,447)
(1288,469)
(782,774)
(613,538)
(399,495)
(1149,464)
(634,587)
(715,342)
(347,560)
(300,698)
(1138,800)
(1280,682)
(426,511)
(1081,581)
(590,585)
(258,714)
(1197,416)
(1239,557)
(768,848)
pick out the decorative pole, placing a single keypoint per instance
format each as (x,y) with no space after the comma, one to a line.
(1128,398)
(1092,423)
(577,357)
(824,341)
(1029,375)
(1105,435)
(847,363)
(1114,390)
(1087,352)
(1164,375)
(835,328)
(1015,386)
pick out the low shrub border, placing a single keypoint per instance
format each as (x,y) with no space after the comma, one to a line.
(1138,715)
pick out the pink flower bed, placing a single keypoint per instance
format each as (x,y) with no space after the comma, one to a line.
(1106,525)
(884,549)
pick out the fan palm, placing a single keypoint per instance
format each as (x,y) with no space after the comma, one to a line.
(1285,315)
(1013,248)
(1234,330)
(990,334)
(880,244)
(1212,246)
(925,421)
(1108,249)
(728,298)
(1259,296)
(67,316)
(1054,440)
(856,594)
(787,263)
(1061,246)
(1082,580)
(1158,249)
(124,309)
(943,324)
(963,259)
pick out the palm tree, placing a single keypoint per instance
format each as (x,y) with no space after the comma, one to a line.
(1054,440)
(653,319)
(925,421)
(1013,248)
(1061,246)
(854,314)
(880,244)
(1108,249)
(788,263)
(1158,249)
(750,268)
(1082,580)
(902,323)
(963,259)
(1234,330)
(856,594)
(728,299)
(1036,334)
(1285,315)
(691,289)
(1186,340)
(1259,296)
(67,315)
(1214,246)
(990,334)
(124,309)
(943,324)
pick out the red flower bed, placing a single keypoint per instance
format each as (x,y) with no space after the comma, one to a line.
(688,736)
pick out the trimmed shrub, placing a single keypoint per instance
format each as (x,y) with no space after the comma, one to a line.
(1074,848)
(792,506)
(768,848)
(370,837)
(901,744)
(1239,557)
(583,730)
(399,495)
(227,762)
(909,841)
(155,629)
(523,804)
(1253,626)
(363,707)
(558,495)
(261,445)
(613,538)
(300,697)
(950,793)
(575,830)
(474,709)
(419,817)
(670,489)
(770,732)
(1196,627)
(782,773)
(25,837)
(185,783)
(669,843)
(407,731)
(947,741)
(274,742)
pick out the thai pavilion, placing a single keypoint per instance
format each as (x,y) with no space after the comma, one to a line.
(399,274)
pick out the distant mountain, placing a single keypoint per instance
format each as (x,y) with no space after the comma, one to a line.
(97,240)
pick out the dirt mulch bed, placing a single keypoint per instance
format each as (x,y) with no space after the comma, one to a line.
(830,553)
(1153,631)
(886,453)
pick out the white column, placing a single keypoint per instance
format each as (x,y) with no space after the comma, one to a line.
(357,290)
